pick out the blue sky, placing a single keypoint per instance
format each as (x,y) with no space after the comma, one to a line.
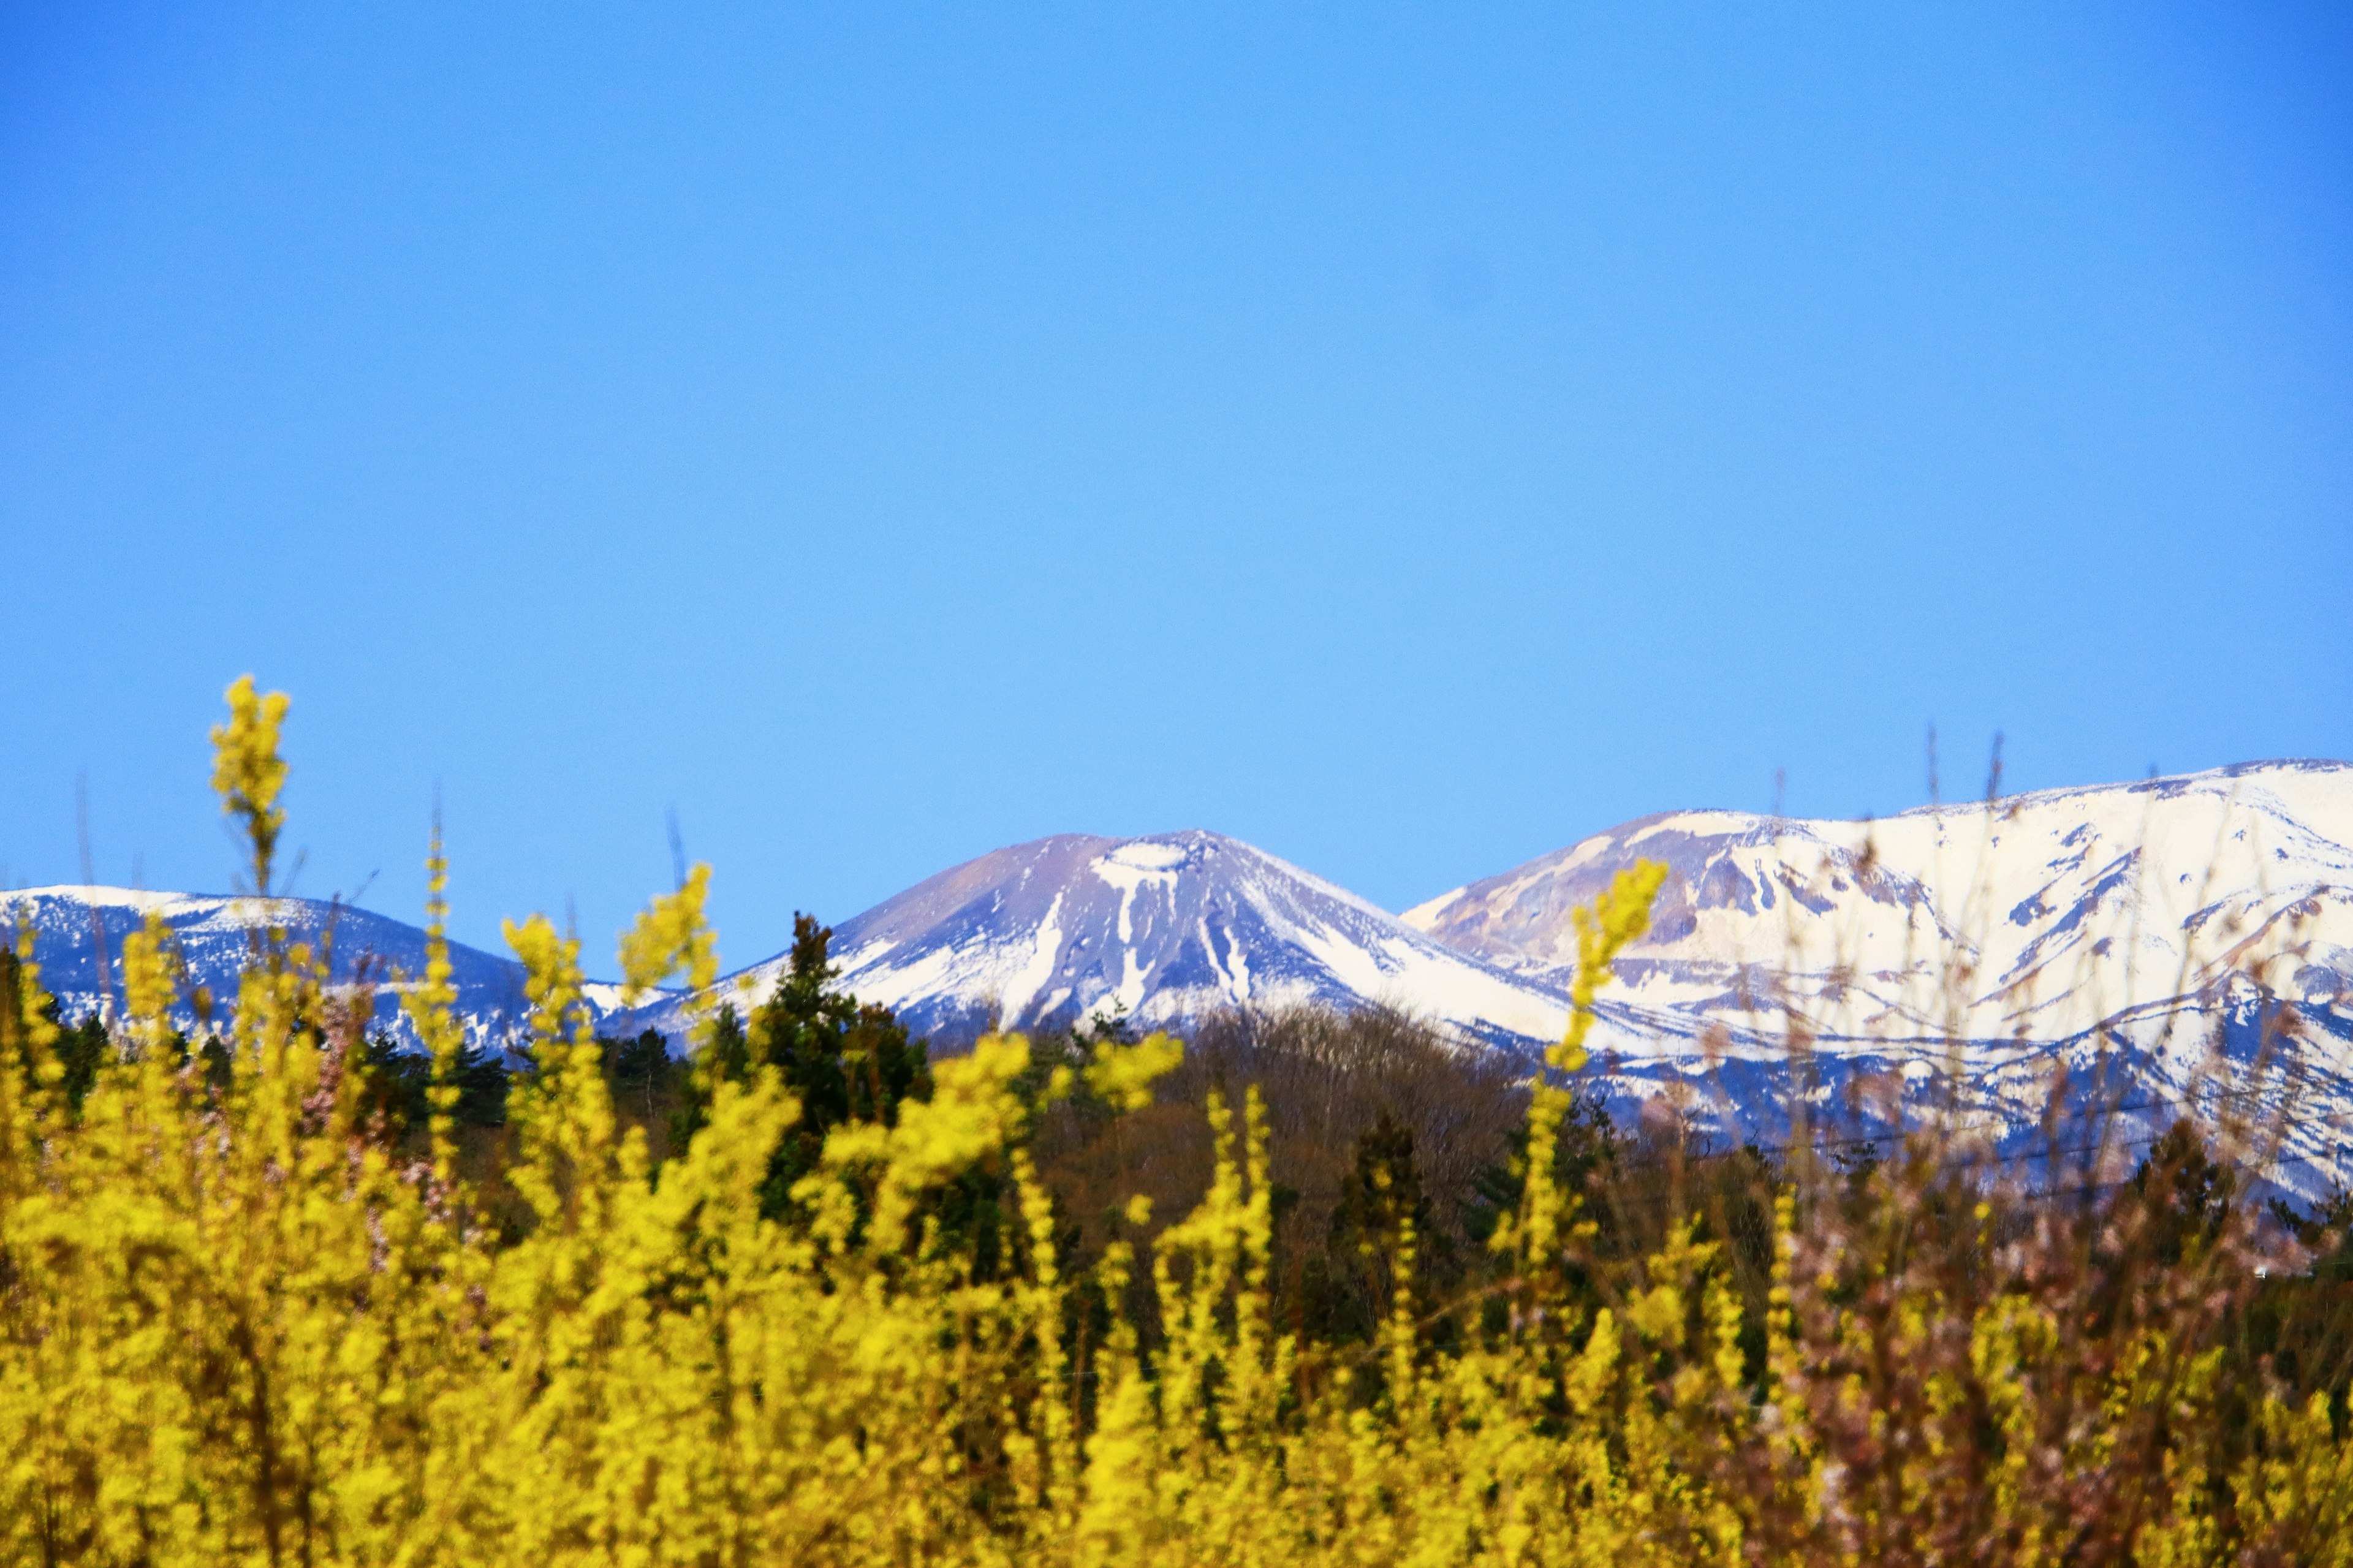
(1407,438)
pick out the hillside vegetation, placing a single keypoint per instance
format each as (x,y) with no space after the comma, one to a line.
(1312,1289)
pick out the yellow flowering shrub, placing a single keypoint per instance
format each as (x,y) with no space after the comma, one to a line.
(236,1328)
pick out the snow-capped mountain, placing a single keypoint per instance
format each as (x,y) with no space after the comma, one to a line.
(2126,933)
(76,929)
(2158,917)
(1171,926)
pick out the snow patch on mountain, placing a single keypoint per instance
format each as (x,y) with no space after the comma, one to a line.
(77,933)
(2150,930)
(1171,926)
(2146,935)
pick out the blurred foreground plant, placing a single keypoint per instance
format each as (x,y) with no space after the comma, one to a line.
(236,1327)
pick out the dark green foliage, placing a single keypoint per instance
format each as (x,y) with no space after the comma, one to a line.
(640,1071)
(483,1079)
(842,1061)
(395,1083)
(1348,1290)
(1587,1152)
(2304,1326)
(726,1059)
(220,1062)
(642,1059)
(81,1047)
(2186,1194)
(393,1086)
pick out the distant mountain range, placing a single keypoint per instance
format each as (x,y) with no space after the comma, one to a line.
(77,931)
(2111,931)
(2019,936)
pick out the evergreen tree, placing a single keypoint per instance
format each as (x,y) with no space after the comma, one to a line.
(80,1048)
(2185,1193)
(1587,1150)
(842,1061)
(394,1080)
(639,1070)
(393,1085)
(483,1079)
(1377,1201)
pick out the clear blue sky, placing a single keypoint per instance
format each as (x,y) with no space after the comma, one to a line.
(1409,439)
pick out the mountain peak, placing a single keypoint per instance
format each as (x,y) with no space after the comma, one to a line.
(1166,926)
(2038,932)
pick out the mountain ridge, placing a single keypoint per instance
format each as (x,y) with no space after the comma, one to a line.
(213,933)
(2040,938)
(2072,928)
